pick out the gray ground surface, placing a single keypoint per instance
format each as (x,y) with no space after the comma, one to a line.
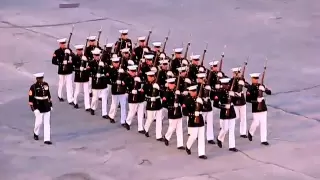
(86,147)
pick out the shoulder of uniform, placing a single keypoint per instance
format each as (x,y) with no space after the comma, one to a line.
(32,86)
(45,83)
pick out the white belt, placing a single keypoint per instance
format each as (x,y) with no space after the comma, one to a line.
(41,98)
(200,112)
(157,97)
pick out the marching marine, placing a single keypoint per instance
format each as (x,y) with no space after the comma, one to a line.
(176,61)
(142,49)
(123,42)
(92,44)
(194,68)
(41,105)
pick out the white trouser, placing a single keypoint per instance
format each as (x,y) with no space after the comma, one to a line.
(90,84)
(115,99)
(259,118)
(85,87)
(197,132)
(66,80)
(151,115)
(241,112)
(42,118)
(108,91)
(163,113)
(228,125)
(208,117)
(133,109)
(175,125)
(95,97)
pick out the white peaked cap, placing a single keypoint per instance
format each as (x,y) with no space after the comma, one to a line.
(170,73)
(114,55)
(207,87)
(185,62)
(237,69)
(96,51)
(190,88)
(115,59)
(121,70)
(156,86)
(150,73)
(125,50)
(124,31)
(201,75)
(171,80)
(84,58)
(183,68)
(156,44)
(137,79)
(214,63)
(109,45)
(164,62)
(92,38)
(154,69)
(63,40)
(241,82)
(178,50)
(201,69)
(141,38)
(80,46)
(187,80)
(225,80)
(38,75)
(195,57)
(199,100)
(149,56)
(132,67)
(130,62)
(254,75)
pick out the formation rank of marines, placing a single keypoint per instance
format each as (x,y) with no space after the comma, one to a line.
(154,86)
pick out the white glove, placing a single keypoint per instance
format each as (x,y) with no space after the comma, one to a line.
(67,51)
(153,99)
(156,86)
(177,92)
(101,63)
(199,100)
(260,99)
(187,80)
(227,106)
(98,75)
(81,68)
(70,59)
(231,93)
(185,93)
(145,49)
(134,91)
(175,105)
(197,113)
(51,108)
(262,88)
(238,94)
(219,74)
(36,112)
(65,62)
(142,60)
(217,86)
(118,82)
(121,70)
(84,58)
(166,85)
(162,56)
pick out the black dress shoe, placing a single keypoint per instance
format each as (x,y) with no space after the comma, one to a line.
(181,148)
(211,142)
(249,136)
(233,149)
(100,99)
(71,103)
(90,94)
(265,143)
(48,142)
(203,157)
(119,106)
(76,106)
(219,143)
(112,120)
(244,136)
(105,117)
(142,132)
(166,142)
(60,99)
(188,151)
(92,111)
(127,126)
(35,137)
(146,134)
(88,110)
(160,139)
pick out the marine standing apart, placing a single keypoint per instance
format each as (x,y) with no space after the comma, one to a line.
(259,112)
(41,105)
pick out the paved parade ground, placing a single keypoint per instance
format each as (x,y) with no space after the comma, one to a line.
(91,148)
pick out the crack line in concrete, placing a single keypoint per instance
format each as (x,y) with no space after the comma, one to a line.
(297,90)
(274,164)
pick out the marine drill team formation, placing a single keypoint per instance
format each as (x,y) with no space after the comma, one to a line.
(153,86)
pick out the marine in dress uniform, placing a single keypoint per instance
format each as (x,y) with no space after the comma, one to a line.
(239,101)
(172,102)
(125,58)
(259,115)
(142,49)
(157,51)
(153,107)
(81,77)
(41,105)
(118,91)
(146,67)
(92,44)
(107,53)
(194,68)
(100,77)
(227,115)
(62,58)
(135,98)
(123,42)
(176,62)
(207,107)
(192,107)
(163,75)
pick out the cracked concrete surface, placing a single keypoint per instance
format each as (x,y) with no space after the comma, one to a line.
(90,148)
